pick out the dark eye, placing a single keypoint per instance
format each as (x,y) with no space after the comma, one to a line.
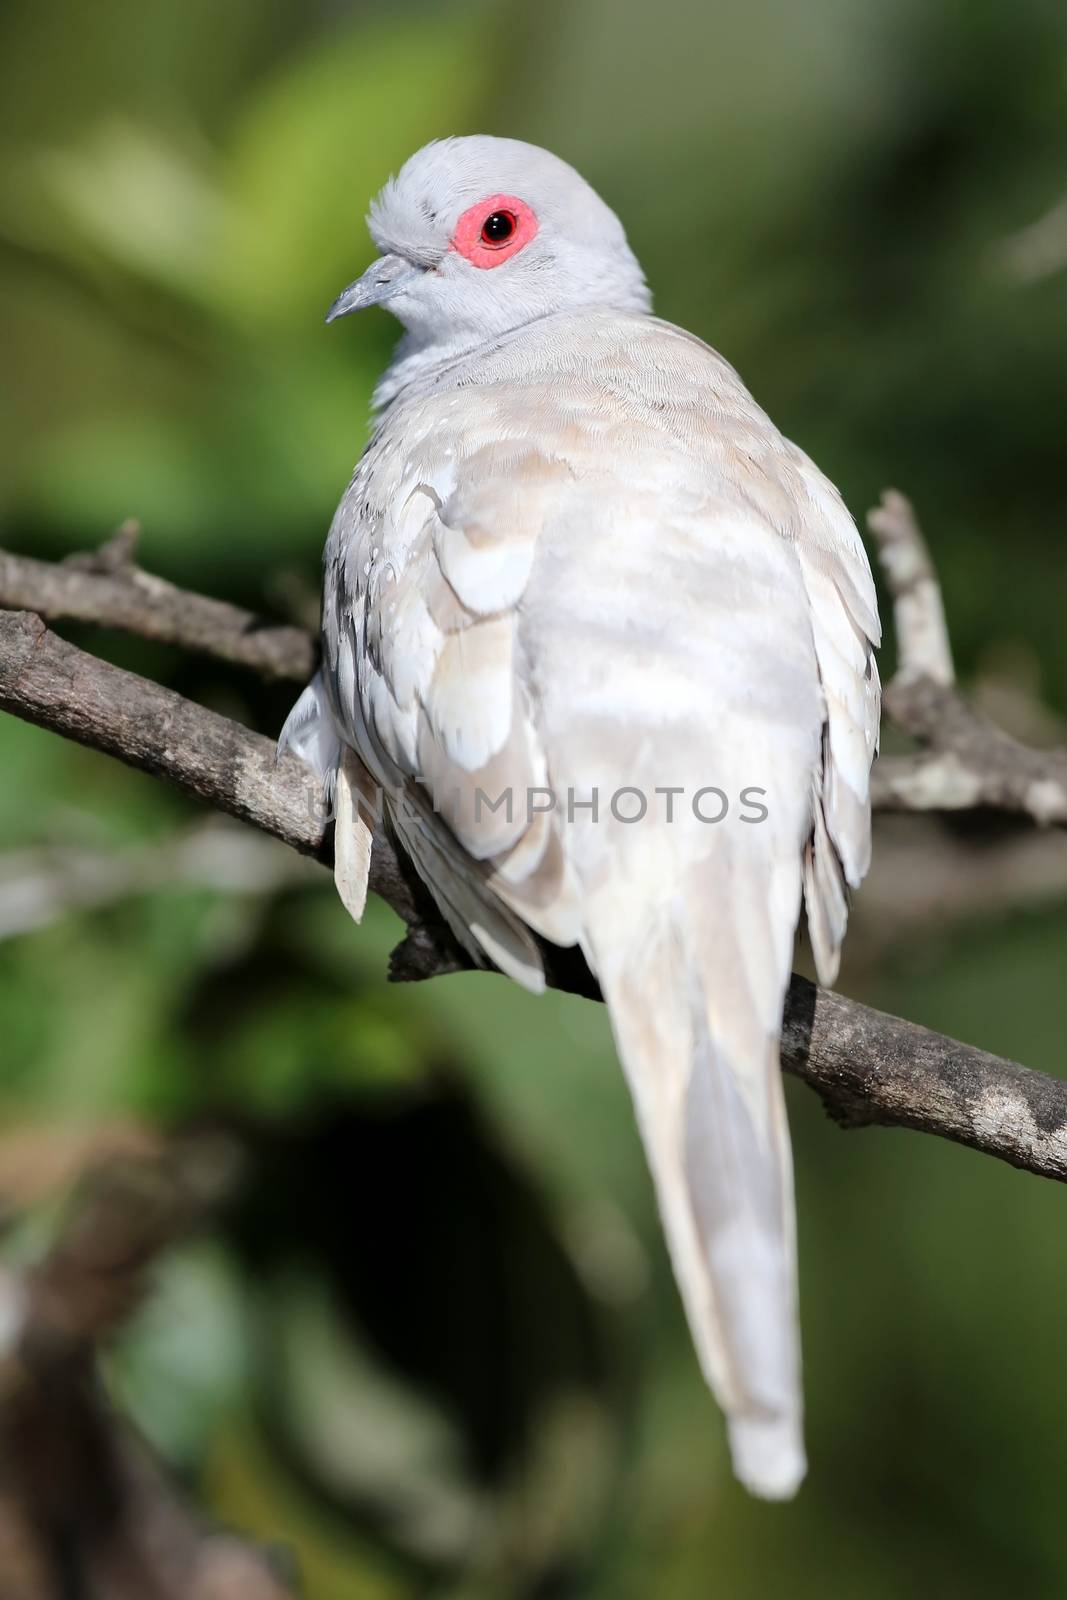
(498,227)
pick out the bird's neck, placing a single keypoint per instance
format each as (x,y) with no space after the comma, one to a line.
(419,360)
(426,352)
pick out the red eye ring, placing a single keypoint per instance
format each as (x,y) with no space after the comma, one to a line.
(494,230)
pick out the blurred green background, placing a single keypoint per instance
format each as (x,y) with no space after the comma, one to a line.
(433,1348)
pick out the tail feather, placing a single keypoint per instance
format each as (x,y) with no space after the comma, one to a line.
(701,1059)
(741,1195)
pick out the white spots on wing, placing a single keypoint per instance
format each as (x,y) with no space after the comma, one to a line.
(470,697)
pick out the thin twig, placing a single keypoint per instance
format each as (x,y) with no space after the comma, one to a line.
(923,650)
(109,591)
(40,885)
(924,877)
(866,1067)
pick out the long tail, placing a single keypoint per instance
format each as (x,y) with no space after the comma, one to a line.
(695,990)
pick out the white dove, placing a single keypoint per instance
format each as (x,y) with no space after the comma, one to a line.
(579,594)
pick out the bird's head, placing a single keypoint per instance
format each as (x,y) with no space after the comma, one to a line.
(480,236)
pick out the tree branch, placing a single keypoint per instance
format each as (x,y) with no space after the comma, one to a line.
(966,761)
(868,1068)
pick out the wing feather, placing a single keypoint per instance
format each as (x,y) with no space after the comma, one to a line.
(846,629)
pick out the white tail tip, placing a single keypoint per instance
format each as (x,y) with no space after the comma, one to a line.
(768,1455)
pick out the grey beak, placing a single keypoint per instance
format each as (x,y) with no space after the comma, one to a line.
(384,278)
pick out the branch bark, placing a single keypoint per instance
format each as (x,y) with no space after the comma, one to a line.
(868,1068)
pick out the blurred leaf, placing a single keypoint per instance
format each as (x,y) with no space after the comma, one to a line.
(127,194)
(314,145)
